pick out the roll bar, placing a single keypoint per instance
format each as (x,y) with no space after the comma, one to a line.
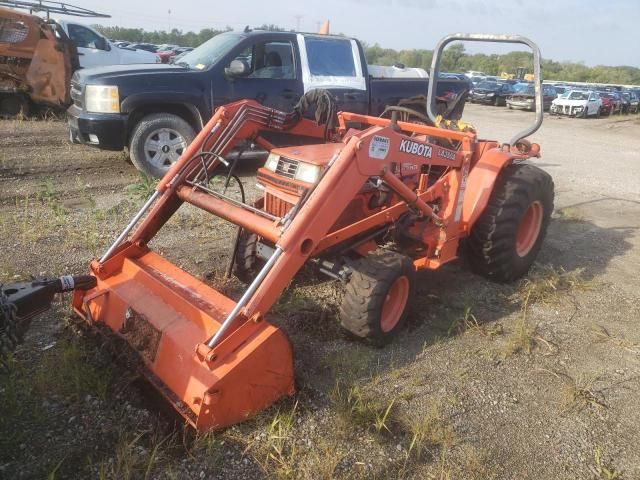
(495,38)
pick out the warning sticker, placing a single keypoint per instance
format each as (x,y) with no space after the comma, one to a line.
(379,147)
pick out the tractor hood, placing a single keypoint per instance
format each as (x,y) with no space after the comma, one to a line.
(314,154)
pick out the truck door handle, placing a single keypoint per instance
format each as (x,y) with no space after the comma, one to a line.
(80,53)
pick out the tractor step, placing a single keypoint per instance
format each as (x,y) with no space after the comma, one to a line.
(165,315)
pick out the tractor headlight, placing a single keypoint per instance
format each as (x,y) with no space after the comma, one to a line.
(308,173)
(102,99)
(272,162)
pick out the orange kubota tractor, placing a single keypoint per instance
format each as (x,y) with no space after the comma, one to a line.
(369,206)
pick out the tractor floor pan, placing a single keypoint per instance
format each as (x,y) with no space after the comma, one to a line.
(166,315)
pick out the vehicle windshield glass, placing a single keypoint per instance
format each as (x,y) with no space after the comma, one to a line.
(578,95)
(211,51)
(488,85)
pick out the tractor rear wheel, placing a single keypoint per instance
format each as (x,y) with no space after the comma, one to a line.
(247,263)
(377,298)
(505,240)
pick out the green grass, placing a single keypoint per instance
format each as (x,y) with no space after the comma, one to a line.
(66,370)
(356,408)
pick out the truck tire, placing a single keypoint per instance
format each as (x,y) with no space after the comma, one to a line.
(157,142)
(377,297)
(247,263)
(505,240)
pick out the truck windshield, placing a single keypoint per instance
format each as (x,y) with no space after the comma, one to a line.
(210,51)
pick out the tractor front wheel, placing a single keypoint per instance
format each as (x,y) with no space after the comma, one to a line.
(505,240)
(377,298)
(247,263)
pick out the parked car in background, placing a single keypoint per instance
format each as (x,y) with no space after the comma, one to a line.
(524,99)
(474,73)
(625,98)
(578,103)
(165,47)
(94,49)
(560,90)
(635,102)
(476,80)
(120,44)
(611,102)
(491,93)
(144,46)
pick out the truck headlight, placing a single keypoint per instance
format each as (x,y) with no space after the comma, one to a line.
(272,162)
(307,172)
(102,99)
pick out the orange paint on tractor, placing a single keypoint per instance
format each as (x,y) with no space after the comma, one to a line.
(219,361)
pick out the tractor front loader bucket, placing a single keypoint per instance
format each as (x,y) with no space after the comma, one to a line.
(215,365)
(164,314)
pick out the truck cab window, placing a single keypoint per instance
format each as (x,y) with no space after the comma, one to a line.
(330,57)
(270,60)
(85,38)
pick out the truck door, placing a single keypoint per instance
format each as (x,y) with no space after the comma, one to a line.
(334,64)
(93,48)
(272,78)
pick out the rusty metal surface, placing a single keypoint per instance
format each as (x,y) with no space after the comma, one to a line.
(35,58)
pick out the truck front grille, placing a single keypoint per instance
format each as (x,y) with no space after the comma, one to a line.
(287,168)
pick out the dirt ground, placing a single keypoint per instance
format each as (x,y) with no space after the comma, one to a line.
(534,380)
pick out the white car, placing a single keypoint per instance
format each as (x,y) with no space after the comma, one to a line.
(577,103)
(95,50)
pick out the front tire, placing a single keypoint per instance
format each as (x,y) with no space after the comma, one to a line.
(157,142)
(377,298)
(506,239)
(247,263)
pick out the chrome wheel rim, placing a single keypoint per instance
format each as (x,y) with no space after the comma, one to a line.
(163,147)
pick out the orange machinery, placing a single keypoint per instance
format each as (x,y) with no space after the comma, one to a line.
(368,207)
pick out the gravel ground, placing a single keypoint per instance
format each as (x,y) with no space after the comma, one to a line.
(482,384)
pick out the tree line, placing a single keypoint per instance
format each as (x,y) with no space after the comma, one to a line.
(455,58)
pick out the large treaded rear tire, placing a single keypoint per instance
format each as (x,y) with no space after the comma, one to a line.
(373,282)
(492,246)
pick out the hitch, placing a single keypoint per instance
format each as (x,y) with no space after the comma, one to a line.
(21,302)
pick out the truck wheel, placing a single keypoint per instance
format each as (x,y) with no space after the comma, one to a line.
(505,240)
(377,297)
(247,263)
(157,142)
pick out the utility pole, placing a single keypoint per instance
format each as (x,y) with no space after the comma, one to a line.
(169,19)
(298,18)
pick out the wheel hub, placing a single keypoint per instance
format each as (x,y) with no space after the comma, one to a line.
(394,304)
(529,228)
(163,147)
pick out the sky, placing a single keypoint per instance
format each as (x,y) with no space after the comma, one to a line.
(595,32)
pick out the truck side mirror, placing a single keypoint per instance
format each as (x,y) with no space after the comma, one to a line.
(237,68)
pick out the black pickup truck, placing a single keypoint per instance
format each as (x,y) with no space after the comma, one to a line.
(156,110)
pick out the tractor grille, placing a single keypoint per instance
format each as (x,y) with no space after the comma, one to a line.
(287,168)
(276,206)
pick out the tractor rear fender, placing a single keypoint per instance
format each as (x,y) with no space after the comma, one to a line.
(482,179)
